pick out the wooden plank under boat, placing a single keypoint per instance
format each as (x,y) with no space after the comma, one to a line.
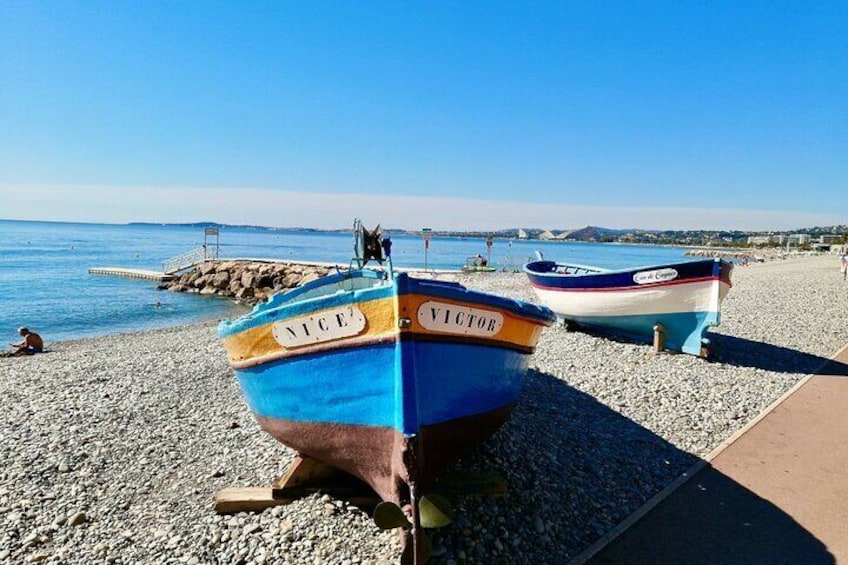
(683,298)
(387,378)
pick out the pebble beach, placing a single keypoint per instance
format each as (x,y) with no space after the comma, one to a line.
(114,447)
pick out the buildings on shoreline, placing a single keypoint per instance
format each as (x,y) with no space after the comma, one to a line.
(809,238)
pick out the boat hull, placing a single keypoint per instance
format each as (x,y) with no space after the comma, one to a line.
(429,370)
(377,454)
(685,299)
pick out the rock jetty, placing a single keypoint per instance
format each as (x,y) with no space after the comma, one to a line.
(731,254)
(758,255)
(247,282)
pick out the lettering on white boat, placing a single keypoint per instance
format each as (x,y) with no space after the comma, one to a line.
(660,275)
(318,328)
(450,318)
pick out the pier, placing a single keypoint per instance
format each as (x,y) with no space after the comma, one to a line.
(210,251)
(170,267)
(131,273)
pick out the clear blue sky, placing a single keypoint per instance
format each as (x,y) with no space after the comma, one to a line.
(636,105)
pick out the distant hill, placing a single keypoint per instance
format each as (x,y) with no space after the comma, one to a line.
(203,225)
(595,233)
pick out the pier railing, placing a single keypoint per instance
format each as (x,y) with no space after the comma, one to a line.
(189,259)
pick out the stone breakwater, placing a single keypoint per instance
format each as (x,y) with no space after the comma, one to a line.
(756,255)
(113,447)
(247,282)
(723,253)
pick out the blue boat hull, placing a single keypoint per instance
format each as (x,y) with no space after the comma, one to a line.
(357,386)
(388,380)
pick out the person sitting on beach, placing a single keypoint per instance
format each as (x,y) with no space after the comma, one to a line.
(31,344)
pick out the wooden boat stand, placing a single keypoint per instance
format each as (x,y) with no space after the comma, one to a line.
(306,476)
(659,339)
(659,343)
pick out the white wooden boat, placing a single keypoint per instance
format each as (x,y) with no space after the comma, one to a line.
(684,299)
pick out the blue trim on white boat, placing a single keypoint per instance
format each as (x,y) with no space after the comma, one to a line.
(683,331)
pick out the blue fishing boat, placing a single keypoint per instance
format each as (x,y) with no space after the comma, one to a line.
(387,377)
(680,300)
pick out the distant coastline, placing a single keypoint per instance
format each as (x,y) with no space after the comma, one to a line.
(805,237)
(735,239)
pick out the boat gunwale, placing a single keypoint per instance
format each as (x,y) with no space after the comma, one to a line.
(631,288)
(252,319)
(445,290)
(713,269)
(521,309)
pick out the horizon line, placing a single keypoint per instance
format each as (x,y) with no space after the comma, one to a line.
(435,231)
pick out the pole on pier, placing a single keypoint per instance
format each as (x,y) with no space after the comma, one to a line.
(426,233)
(207,254)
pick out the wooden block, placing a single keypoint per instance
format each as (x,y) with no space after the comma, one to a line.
(307,476)
(256,499)
(246,499)
(305,471)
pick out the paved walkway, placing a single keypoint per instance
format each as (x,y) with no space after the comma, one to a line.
(777,494)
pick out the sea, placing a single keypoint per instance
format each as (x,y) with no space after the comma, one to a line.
(45,284)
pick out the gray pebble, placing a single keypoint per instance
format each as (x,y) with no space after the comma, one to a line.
(77,518)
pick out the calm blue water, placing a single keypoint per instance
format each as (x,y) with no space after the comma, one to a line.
(45,285)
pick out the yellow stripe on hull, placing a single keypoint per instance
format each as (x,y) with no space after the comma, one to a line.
(260,341)
(390,319)
(516,330)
